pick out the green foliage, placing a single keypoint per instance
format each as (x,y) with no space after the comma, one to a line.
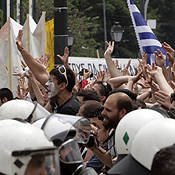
(85,20)
(84,29)
(165,21)
(1,18)
(47,6)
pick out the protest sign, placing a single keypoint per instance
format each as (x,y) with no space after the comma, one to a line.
(94,64)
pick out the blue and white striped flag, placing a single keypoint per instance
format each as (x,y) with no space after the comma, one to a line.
(146,38)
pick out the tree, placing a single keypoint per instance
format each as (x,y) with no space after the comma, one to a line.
(85,20)
(84,28)
(164,14)
(115,11)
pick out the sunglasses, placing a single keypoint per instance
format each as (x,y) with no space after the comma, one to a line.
(62,70)
(105,85)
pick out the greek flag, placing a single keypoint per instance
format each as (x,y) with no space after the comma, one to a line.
(146,38)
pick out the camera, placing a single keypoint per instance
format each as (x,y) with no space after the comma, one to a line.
(91,142)
(86,70)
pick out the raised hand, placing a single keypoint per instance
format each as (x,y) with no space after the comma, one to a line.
(125,70)
(86,75)
(142,82)
(144,58)
(17,73)
(173,71)
(163,98)
(172,84)
(19,42)
(100,75)
(107,75)
(157,74)
(65,57)
(116,63)
(169,50)
(44,60)
(154,70)
(109,49)
(160,58)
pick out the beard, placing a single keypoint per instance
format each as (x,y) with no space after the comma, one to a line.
(111,123)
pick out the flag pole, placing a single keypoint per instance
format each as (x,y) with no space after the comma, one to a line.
(28,33)
(9,55)
(44,35)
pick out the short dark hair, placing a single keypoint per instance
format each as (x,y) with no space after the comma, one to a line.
(105,88)
(5,92)
(139,103)
(88,94)
(164,161)
(89,107)
(131,94)
(61,78)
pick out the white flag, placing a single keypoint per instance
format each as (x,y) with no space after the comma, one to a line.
(28,38)
(40,35)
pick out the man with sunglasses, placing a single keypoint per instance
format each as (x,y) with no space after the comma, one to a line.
(103,89)
(59,82)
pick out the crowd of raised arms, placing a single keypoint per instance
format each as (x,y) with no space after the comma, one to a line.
(64,123)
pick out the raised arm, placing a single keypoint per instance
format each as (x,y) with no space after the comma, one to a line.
(125,70)
(170,57)
(111,66)
(103,155)
(163,98)
(36,88)
(132,80)
(38,69)
(116,82)
(160,60)
(65,57)
(156,73)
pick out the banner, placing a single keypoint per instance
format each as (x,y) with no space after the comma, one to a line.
(34,40)
(14,57)
(4,54)
(94,64)
(50,42)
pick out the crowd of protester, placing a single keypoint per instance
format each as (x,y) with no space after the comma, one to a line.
(131,117)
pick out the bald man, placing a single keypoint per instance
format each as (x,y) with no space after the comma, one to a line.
(117,105)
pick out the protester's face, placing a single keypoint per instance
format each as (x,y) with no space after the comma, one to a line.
(102,133)
(94,124)
(110,113)
(36,166)
(52,86)
(96,88)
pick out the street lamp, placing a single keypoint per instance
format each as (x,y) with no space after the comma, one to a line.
(116,32)
(70,40)
(116,35)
